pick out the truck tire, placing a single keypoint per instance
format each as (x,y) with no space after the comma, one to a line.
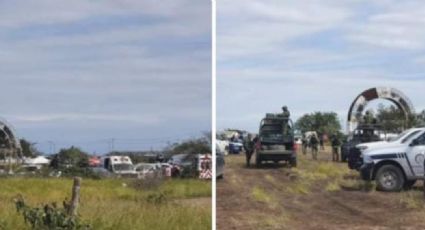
(293,162)
(257,161)
(389,178)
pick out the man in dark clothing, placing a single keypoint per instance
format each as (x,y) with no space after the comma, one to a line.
(285,112)
(335,146)
(322,147)
(249,146)
(304,145)
(314,142)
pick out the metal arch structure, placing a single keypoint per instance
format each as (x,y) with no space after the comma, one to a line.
(359,104)
(7,132)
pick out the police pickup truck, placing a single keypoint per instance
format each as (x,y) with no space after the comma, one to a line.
(394,164)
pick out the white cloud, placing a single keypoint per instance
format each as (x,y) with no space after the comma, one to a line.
(259,27)
(95,67)
(396,25)
(314,55)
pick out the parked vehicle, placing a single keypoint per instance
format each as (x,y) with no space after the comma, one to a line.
(362,134)
(219,167)
(120,165)
(148,169)
(235,146)
(223,146)
(276,136)
(395,164)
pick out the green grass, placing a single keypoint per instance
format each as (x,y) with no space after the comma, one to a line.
(314,172)
(258,194)
(113,204)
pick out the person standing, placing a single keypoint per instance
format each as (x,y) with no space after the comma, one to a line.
(322,147)
(249,146)
(335,146)
(304,145)
(314,142)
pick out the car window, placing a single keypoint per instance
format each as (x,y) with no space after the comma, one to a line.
(421,139)
(408,137)
(401,135)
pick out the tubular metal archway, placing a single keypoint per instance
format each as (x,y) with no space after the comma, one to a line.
(9,144)
(359,104)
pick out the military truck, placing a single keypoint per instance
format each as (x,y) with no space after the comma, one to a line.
(364,133)
(276,140)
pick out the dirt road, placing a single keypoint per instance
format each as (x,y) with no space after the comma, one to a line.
(316,195)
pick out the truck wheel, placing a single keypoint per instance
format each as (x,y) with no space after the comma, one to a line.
(293,162)
(389,178)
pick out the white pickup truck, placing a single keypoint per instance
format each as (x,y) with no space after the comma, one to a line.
(394,164)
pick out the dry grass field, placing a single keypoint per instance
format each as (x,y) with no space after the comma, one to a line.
(115,204)
(316,195)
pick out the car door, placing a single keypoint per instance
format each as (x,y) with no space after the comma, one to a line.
(416,154)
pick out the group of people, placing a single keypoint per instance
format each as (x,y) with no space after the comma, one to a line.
(315,142)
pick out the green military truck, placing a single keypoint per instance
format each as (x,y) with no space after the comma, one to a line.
(276,140)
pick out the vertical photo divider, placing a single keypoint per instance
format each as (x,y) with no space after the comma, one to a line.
(213,110)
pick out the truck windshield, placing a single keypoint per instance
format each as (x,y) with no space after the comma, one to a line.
(401,135)
(123,167)
(410,136)
(272,131)
(404,135)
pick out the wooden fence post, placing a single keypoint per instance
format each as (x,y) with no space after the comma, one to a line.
(75,196)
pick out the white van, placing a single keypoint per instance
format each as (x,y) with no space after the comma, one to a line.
(121,165)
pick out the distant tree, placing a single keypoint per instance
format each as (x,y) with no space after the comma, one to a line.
(393,119)
(28,149)
(321,122)
(194,146)
(419,119)
(70,157)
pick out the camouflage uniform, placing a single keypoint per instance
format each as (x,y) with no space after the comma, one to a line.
(335,146)
(249,146)
(285,114)
(314,142)
(368,118)
(304,145)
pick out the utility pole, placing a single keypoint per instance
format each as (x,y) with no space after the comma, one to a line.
(112,145)
(52,147)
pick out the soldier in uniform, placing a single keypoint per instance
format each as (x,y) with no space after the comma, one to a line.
(314,142)
(304,145)
(249,146)
(285,112)
(335,146)
(368,118)
(285,126)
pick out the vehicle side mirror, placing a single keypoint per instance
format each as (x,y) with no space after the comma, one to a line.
(414,142)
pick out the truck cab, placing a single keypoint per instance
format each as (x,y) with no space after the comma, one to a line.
(121,165)
(276,140)
(362,134)
(394,164)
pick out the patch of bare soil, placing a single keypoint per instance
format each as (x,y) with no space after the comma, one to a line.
(259,198)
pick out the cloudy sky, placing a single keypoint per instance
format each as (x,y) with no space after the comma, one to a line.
(314,55)
(82,72)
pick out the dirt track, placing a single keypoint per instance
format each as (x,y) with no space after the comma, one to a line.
(276,197)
